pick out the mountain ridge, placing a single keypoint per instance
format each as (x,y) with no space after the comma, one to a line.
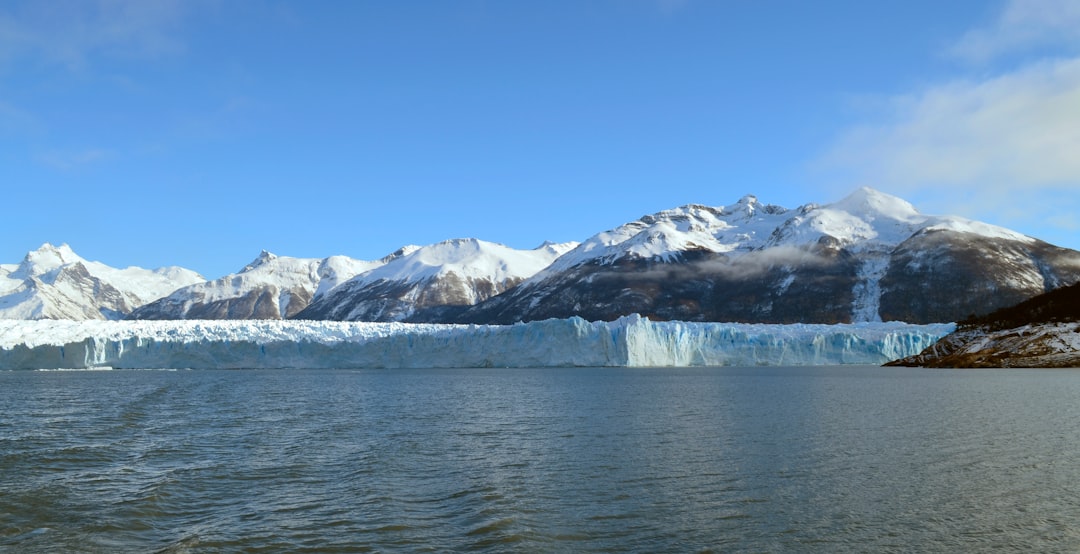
(858,259)
(868,257)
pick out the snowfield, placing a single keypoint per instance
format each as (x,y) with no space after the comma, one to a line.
(630,341)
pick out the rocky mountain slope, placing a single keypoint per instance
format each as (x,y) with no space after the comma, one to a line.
(270,287)
(53,282)
(868,257)
(1041,332)
(433,283)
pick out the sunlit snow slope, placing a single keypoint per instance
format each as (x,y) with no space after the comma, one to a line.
(867,257)
(270,287)
(53,282)
(432,283)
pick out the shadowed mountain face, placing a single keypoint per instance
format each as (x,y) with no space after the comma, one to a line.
(260,302)
(868,257)
(694,286)
(948,276)
(1038,332)
(936,278)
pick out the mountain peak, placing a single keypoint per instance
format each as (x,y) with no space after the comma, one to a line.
(748,206)
(263,258)
(47,258)
(869,202)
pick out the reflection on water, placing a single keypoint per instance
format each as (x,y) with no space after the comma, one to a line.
(602,460)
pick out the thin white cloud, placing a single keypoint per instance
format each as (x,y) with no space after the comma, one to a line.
(1000,146)
(1021,128)
(72,33)
(17,121)
(67,161)
(1022,24)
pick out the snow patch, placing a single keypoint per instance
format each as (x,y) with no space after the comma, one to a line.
(866,305)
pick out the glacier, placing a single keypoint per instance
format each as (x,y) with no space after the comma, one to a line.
(631,341)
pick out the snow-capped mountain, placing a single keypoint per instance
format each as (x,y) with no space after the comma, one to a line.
(432,283)
(868,257)
(53,282)
(271,287)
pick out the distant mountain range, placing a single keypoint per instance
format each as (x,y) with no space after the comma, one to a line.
(868,257)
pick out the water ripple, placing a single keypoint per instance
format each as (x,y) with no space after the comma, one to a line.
(586,460)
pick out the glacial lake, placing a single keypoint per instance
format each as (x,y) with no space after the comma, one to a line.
(835,459)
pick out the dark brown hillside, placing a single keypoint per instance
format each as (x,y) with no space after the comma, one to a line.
(1060,305)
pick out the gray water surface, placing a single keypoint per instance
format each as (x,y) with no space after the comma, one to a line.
(541,460)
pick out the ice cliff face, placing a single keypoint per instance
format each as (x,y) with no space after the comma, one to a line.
(270,287)
(627,342)
(53,282)
(868,257)
(433,283)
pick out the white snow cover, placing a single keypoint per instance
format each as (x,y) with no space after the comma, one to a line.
(468,259)
(866,219)
(452,268)
(282,276)
(628,342)
(867,222)
(53,282)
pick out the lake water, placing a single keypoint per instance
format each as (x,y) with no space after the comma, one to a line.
(555,460)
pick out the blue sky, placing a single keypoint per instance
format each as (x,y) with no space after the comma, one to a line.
(198,132)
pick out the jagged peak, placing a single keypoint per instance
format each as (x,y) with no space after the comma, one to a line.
(749,205)
(557,248)
(680,213)
(263,258)
(63,252)
(399,253)
(46,258)
(459,242)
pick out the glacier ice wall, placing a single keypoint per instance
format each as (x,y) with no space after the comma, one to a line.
(631,341)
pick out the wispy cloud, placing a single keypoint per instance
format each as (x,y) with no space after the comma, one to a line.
(1004,142)
(71,160)
(1018,129)
(16,121)
(72,32)
(1021,25)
